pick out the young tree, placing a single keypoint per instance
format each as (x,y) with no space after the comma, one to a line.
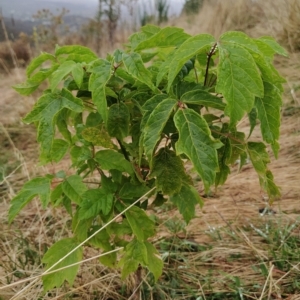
(136,118)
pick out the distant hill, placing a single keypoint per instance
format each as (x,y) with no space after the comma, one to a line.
(18,14)
(24,9)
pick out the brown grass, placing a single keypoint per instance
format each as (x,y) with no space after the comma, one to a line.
(227,229)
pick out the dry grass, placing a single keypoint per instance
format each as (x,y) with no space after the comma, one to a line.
(229,248)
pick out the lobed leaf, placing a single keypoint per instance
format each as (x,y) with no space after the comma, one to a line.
(95,201)
(204,98)
(238,80)
(118,121)
(135,254)
(268,112)
(169,171)
(74,188)
(45,112)
(240,39)
(260,158)
(35,187)
(112,160)
(142,226)
(132,191)
(77,53)
(53,255)
(38,61)
(101,71)
(190,48)
(59,149)
(135,67)
(196,142)
(271,45)
(155,125)
(155,263)
(97,136)
(60,73)
(166,37)
(186,200)
(224,155)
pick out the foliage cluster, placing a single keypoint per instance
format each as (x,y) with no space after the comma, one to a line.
(136,118)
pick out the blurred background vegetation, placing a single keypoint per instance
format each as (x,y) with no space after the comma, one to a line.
(115,20)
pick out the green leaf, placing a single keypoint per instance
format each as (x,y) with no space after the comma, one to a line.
(97,136)
(268,112)
(119,229)
(38,61)
(150,29)
(80,228)
(59,149)
(34,81)
(43,74)
(164,68)
(196,142)
(240,39)
(26,88)
(102,240)
(166,37)
(63,70)
(95,201)
(135,254)
(142,226)
(260,158)
(224,155)
(238,148)
(252,119)
(76,53)
(78,74)
(53,255)
(155,263)
(108,185)
(109,160)
(118,121)
(190,48)
(61,123)
(200,97)
(131,191)
(45,111)
(156,123)
(186,200)
(238,80)
(149,106)
(56,194)
(169,171)
(147,56)
(272,44)
(35,187)
(74,188)
(93,119)
(135,67)
(80,154)
(101,71)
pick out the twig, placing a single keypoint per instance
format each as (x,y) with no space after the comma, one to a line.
(210,54)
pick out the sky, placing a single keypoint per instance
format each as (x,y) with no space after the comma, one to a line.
(24,9)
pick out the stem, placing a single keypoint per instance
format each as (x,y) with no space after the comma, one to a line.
(138,280)
(210,54)
(123,150)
